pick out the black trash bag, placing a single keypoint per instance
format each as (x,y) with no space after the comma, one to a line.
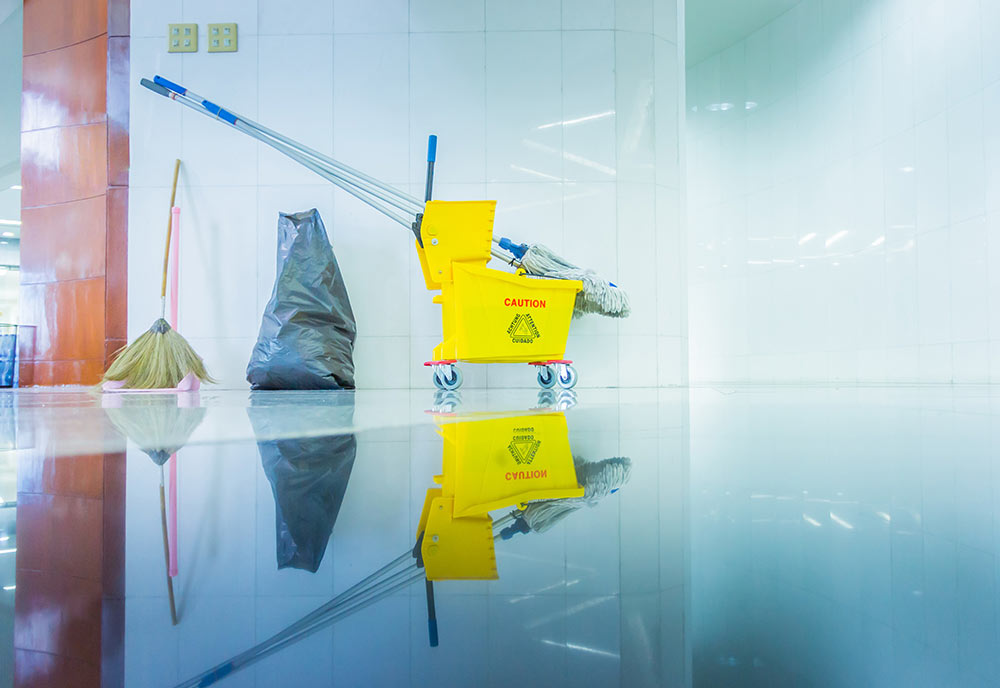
(308,478)
(307,334)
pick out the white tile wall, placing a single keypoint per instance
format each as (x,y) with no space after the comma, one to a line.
(567,113)
(842,196)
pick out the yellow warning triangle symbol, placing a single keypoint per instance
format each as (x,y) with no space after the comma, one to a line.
(522,449)
(523,329)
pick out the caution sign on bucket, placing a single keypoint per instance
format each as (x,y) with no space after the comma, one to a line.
(522,330)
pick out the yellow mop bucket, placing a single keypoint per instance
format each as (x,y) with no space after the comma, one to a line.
(487,465)
(490,316)
(490,464)
(496,317)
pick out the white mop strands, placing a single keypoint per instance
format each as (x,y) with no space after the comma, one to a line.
(599,296)
(599,479)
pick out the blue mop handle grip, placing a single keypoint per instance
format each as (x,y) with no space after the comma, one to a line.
(517,249)
(169,85)
(432,151)
(219,112)
(214,109)
(432,148)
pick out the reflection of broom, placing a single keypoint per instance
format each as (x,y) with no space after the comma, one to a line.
(161,357)
(159,431)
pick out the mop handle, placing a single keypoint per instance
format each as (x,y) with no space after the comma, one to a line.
(349,185)
(231,117)
(304,157)
(432,147)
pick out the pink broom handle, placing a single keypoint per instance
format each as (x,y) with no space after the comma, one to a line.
(175,240)
(175,246)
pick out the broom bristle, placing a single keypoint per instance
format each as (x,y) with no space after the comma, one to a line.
(160,358)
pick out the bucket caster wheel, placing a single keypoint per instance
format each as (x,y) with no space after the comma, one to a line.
(546,377)
(567,376)
(447,378)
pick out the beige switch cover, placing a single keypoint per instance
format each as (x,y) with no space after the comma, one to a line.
(182,38)
(222,38)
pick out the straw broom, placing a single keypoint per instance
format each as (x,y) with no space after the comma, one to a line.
(161,357)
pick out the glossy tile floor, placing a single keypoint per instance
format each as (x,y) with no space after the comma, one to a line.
(740,537)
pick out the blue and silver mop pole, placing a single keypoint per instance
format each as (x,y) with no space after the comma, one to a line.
(360,189)
(380,190)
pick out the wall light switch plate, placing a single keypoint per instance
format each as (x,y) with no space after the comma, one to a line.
(222,38)
(182,38)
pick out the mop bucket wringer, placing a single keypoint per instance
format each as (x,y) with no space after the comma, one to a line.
(487,315)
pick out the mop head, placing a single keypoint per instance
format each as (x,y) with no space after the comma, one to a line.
(159,429)
(598,479)
(160,358)
(598,296)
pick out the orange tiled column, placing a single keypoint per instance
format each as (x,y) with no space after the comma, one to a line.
(74,205)
(69,605)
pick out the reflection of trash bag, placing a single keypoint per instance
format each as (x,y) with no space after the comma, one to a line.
(309,478)
(307,332)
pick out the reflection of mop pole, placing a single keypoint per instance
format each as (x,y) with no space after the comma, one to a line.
(432,621)
(365,592)
(599,479)
(166,551)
